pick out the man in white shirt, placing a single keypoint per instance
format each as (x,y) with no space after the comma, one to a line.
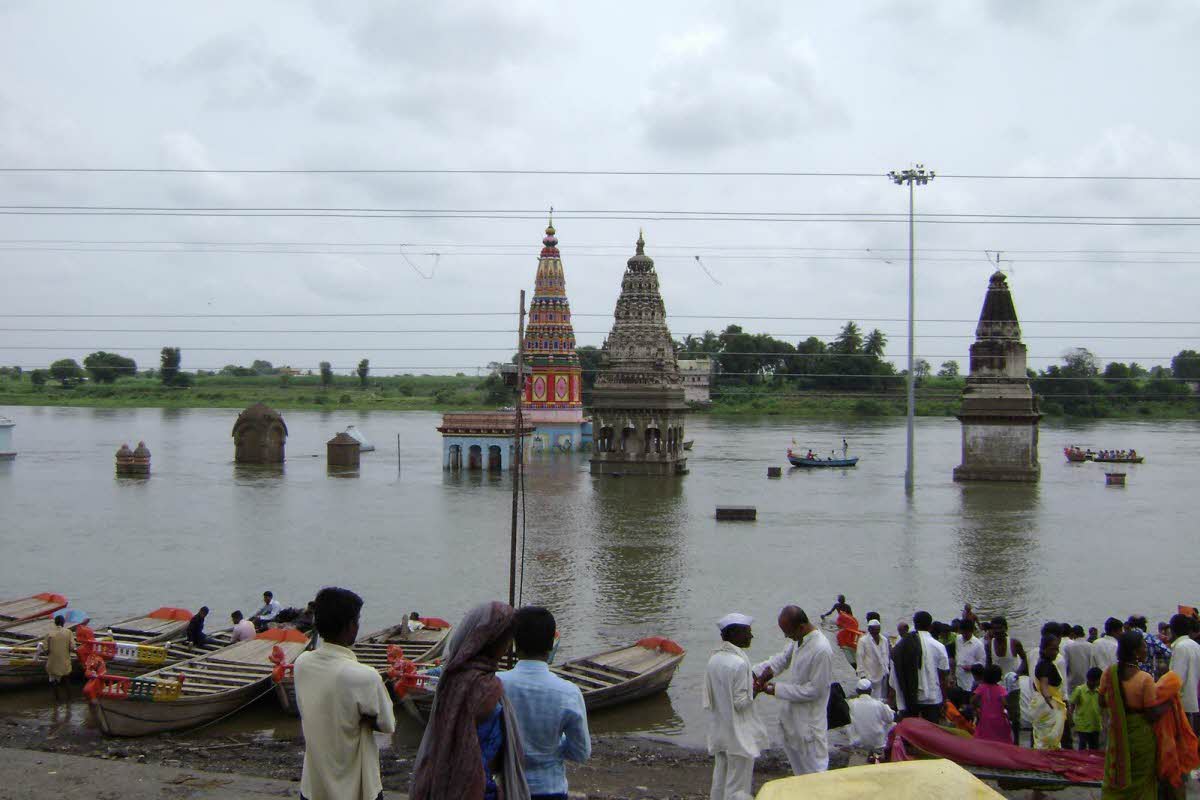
(1185,662)
(968,651)
(874,658)
(870,720)
(1078,652)
(736,735)
(243,629)
(342,703)
(802,674)
(270,609)
(1104,649)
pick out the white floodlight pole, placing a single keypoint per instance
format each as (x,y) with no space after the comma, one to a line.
(918,175)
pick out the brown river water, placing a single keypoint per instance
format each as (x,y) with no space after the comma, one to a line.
(615,559)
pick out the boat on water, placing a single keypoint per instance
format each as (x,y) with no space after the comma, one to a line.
(139,645)
(810,461)
(422,647)
(608,678)
(1076,454)
(364,445)
(687,445)
(38,605)
(21,662)
(193,692)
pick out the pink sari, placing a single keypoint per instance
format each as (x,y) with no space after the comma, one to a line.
(993,723)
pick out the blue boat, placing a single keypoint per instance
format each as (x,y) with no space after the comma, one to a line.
(818,463)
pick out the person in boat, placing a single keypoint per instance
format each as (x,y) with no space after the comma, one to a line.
(736,735)
(342,705)
(920,665)
(845,448)
(195,628)
(58,647)
(1048,709)
(800,676)
(414,621)
(873,657)
(472,743)
(243,629)
(269,611)
(1150,745)
(1185,662)
(550,711)
(811,456)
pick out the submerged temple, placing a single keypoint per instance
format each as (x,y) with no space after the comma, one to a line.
(552,400)
(638,402)
(999,412)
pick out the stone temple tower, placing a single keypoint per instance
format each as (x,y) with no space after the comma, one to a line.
(999,412)
(637,404)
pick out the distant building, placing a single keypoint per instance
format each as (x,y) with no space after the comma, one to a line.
(697,379)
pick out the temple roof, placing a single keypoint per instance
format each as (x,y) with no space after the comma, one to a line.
(549,335)
(998,318)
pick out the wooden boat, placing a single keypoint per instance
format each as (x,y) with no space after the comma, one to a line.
(422,647)
(160,625)
(1077,455)
(20,662)
(194,692)
(138,645)
(687,445)
(608,678)
(1114,459)
(818,463)
(39,605)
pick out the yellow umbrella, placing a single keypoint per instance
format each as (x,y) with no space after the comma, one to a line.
(926,779)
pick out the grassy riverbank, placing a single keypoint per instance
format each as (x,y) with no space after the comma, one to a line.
(936,398)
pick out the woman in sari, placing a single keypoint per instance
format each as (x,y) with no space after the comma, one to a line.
(1048,709)
(1150,744)
(471,749)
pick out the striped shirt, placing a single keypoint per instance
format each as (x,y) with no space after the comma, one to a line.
(552,720)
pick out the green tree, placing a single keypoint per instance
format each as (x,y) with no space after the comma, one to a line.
(849,341)
(875,343)
(364,369)
(1079,362)
(107,367)
(38,378)
(921,369)
(326,374)
(261,367)
(169,365)
(66,371)
(949,369)
(495,391)
(589,361)
(1186,365)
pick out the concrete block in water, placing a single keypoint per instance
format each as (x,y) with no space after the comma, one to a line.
(774,472)
(733,513)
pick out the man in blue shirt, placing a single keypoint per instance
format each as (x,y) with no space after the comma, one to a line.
(550,711)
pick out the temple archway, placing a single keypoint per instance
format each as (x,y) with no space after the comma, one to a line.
(495,458)
(475,457)
(455,457)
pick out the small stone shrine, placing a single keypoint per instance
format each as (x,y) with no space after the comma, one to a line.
(259,436)
(135,463)
(343,452)
(638,402)
(999,412)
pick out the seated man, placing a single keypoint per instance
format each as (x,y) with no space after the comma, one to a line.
(269,611)
(550,712)
(243,629)
(195,628)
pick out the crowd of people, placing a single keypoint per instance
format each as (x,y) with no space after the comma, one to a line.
(1128,691)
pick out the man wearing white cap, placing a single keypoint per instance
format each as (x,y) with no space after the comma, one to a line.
(803,672)
(870,719)
(874,658)
(735,733)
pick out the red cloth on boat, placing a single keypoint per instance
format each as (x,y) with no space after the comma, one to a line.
(916,734)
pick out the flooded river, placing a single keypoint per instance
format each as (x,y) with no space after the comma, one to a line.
(615,559)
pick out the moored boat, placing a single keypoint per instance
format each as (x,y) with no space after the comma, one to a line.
(160,625)
(138,645)
(21,662)
(193,692)
(422,647)
(608,678)
(38,605)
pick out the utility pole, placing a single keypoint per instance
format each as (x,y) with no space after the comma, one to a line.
(916,176)
(518,447)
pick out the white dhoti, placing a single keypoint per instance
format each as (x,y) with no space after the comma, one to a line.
(732,777)
(879,689)
(808,755)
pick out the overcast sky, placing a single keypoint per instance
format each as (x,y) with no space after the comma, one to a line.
(1004,87)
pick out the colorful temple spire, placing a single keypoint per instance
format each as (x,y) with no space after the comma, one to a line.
(554,380)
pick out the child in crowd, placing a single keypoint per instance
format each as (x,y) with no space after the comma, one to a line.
(1084,705)
(991,718)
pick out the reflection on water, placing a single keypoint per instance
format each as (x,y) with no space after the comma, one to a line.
(614,559)
(998,547)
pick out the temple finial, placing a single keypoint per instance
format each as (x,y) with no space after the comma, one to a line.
(641,243)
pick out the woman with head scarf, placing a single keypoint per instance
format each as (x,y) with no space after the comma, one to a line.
(471,749)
